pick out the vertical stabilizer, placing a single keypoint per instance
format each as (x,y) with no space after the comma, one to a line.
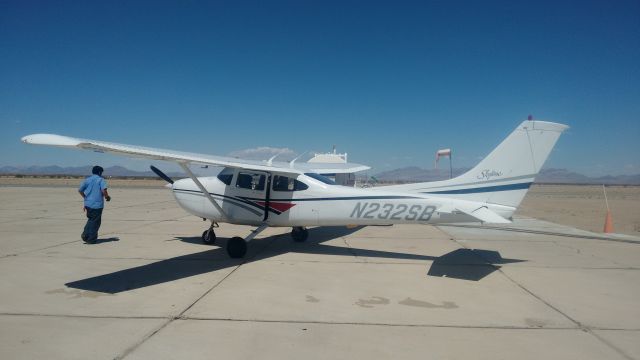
(505,175)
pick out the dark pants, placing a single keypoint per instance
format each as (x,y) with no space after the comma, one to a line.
(94,219)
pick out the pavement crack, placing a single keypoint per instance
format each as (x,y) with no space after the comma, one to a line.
(351,250)
(132,348)
(359,323)
(182,315)
(79,316)
(578,324)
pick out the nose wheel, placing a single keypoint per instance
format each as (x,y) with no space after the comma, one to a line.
(299,234)
(209,236)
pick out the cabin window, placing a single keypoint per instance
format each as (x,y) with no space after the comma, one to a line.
(321,178)
(250,181)
(284,183)
(225,178)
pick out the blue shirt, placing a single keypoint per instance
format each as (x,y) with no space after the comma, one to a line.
(92,188)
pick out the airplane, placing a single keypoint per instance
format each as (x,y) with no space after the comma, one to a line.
(289,194)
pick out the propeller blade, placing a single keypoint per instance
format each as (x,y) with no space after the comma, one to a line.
(162,175)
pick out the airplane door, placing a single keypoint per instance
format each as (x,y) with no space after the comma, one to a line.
(251,190)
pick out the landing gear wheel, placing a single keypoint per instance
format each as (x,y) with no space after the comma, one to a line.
(299,234)
(236,247)
(208,237)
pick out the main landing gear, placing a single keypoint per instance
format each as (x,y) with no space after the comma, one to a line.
(237,246)
(299,234)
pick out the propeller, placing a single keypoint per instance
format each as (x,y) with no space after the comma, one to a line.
(162,175)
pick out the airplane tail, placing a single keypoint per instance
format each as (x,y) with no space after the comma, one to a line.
(505,175)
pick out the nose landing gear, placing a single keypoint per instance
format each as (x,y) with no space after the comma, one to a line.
(209,236)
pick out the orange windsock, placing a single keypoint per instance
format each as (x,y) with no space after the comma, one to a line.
(608,223)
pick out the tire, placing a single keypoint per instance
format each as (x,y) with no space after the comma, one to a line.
(236,247)
(299,234)
(208,237)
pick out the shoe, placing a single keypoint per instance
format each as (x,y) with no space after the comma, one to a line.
(87,240)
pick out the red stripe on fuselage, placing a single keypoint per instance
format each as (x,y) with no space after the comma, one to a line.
(280,206)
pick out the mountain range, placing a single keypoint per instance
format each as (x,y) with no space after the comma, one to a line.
(117,171)
(546,176)
(406,174)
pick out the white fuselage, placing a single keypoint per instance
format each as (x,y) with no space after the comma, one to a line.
(318,204)
(287,194)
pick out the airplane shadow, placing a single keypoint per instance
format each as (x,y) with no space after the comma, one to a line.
(464,264)
(468,264)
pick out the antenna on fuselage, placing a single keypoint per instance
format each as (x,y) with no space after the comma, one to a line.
(298,157)
(271,160)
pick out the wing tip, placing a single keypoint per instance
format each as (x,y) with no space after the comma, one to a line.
(50,139)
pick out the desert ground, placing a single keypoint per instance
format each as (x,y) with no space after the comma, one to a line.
(75,181)
(584,207)
(149,289)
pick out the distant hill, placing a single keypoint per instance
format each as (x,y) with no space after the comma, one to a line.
(79,171)
(415,174)
(561,176)
(555,176)
(564,176)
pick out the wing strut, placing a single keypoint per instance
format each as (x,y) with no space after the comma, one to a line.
(185,167)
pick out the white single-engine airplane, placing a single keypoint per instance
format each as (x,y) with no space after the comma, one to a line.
(269,193)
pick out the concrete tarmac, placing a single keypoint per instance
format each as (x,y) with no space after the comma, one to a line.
(150,290)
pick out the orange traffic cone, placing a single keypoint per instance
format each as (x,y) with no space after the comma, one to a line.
(608,223)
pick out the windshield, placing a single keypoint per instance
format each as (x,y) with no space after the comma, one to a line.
(321,178)
(226,175)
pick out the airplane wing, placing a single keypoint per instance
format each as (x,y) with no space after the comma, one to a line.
(186,157)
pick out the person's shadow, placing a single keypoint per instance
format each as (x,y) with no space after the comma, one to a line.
(105,240)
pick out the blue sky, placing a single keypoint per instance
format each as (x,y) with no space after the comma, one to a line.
(387,82)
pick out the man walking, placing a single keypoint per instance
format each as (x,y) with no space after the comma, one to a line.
(93,189)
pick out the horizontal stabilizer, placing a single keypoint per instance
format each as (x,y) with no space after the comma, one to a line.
(483,214)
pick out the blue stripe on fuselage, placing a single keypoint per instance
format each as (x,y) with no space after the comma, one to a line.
(520,186)
(497,188)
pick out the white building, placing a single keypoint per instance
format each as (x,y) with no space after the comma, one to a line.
(335,158)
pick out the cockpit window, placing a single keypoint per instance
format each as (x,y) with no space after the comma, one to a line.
(250,181)
(225,178)
(321,178)
(283,183)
